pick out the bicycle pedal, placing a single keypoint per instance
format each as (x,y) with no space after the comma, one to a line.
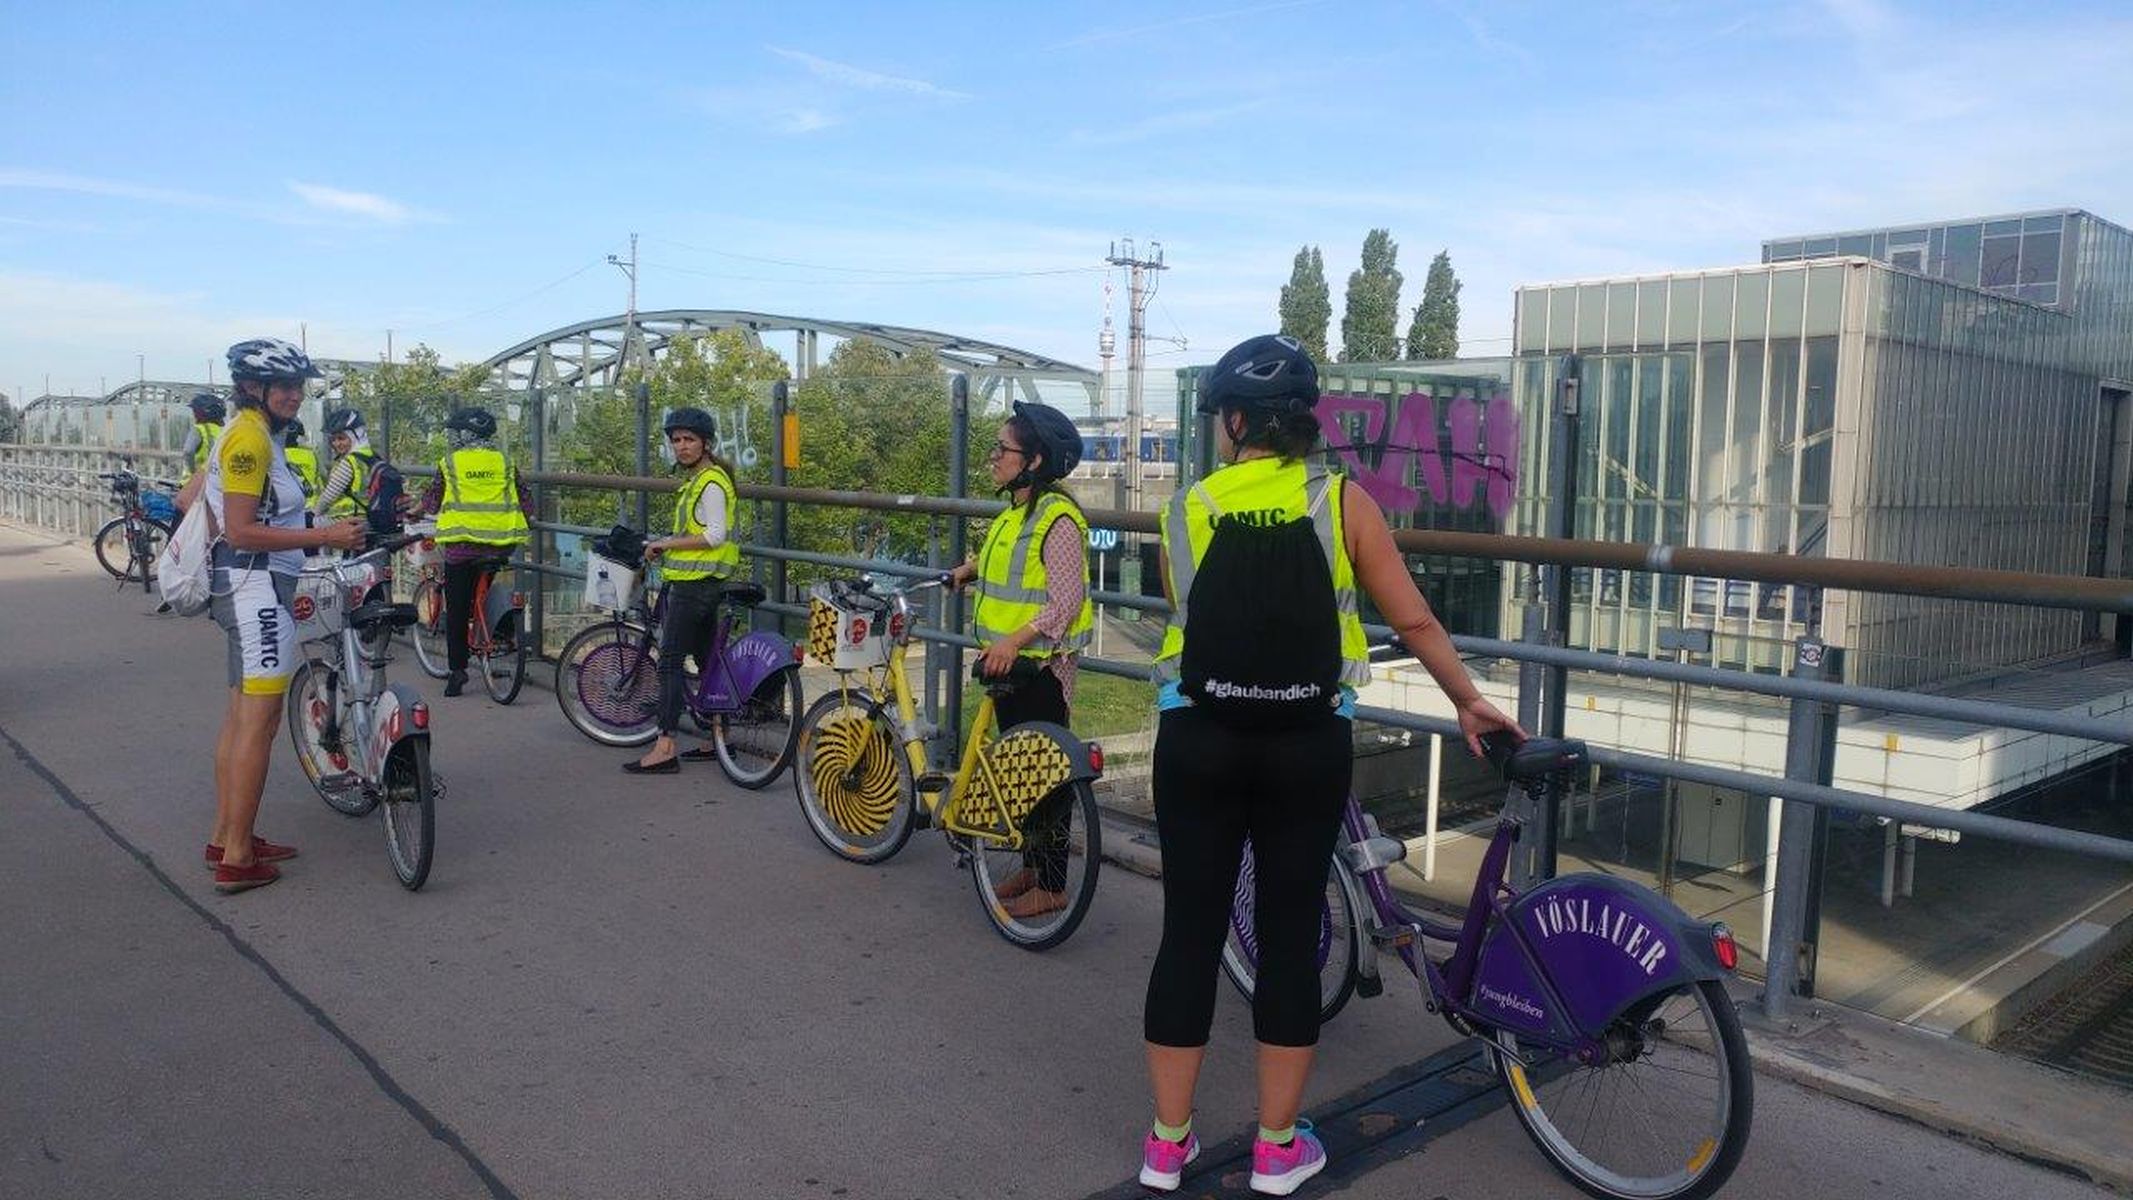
(932,781)
(346,781)
(1393,938)
(1367,986)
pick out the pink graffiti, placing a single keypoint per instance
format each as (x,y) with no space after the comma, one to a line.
(1479,451)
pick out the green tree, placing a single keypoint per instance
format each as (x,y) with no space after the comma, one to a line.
(1306,302)
(1435,332)
(1370,324)
(10,421)
(412,398)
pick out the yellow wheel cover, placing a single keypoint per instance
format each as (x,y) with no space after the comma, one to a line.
(853,767)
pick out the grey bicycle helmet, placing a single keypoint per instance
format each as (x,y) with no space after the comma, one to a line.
(271,360)
(1269,373)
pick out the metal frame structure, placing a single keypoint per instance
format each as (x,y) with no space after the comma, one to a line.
(597,353)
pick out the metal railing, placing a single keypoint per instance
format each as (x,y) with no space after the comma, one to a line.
(41,486)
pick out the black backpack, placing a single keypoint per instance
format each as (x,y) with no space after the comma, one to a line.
(1262,626)
(382,491)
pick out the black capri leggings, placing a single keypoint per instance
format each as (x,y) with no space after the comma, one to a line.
(685,631)
(1216,786)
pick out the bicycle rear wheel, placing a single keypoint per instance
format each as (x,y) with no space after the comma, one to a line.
(607,684)
(325,759)
(853,779)
(503,664)
(115,552)
(1666,1117)
(1052,878)
(1340,936)
(410,812)
(756,743)
(428,629)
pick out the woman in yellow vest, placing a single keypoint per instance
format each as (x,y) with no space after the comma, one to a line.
(1032,574)
(302,459)
(208,412)
(697,559)
(1243,757)
(345,485)
(482,517)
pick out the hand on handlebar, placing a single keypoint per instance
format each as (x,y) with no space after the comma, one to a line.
(345,535)
(1478,717)
(958,579)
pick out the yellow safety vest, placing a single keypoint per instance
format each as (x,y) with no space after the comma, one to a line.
(1011,581)
(480,499)
(1260,485)
(208,431)
(304,461)
(702,562)
(351,502)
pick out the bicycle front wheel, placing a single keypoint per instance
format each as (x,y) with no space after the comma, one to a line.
(1036,897)
(428,629)
(756,743)
(410,812)
(607,684)
(503,665)
(853,779)
(1339,936)
(1665,1117)
(324,758)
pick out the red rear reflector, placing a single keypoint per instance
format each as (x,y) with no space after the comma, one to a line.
(799,652)
(421,714)
(1096,757)
(1722,941)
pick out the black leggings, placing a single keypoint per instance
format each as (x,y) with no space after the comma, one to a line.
(684,630)
(1215,787)
(460,579)
(1046,826)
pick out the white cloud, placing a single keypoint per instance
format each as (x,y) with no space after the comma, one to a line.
(62,181)
(367,205)
(846,75)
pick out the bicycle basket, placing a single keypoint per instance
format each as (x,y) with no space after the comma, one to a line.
(159,506)
(609,584)
(846,628)
(321,606)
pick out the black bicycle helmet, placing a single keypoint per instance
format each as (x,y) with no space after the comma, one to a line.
(293,432)
(343,420)
(208,407)
(271,360)
(1270,373)
(694,420)
(1058,440)
(478,421)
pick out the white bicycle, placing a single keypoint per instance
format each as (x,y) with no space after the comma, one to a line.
(360,739)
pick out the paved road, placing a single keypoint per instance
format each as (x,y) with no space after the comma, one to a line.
(611,987)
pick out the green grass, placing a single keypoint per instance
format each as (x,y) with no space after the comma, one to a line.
(1104,705)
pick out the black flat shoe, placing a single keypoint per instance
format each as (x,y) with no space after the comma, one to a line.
(699,754)
(670,766)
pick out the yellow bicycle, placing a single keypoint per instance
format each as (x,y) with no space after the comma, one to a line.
(1019,812)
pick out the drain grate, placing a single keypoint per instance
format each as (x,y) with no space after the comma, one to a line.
(2086,1029)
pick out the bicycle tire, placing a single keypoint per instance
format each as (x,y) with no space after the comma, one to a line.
(111,542)
(431,650)
(154,536)
(607,684)
(503,663)
(306,708)
(771,717)
(1700,1160)
(993,867)
(853,779)
(410,816)
(1340,937)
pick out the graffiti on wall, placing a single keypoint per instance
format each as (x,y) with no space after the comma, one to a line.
(1461,452)
(735,441)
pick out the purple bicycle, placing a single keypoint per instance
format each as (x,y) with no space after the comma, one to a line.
(745,693)
(1602,1005)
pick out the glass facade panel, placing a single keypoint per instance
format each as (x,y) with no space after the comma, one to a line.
(1819,247)
(1651,313)
(1788,297)
(1818,420)
(1781,252)
(1621,316)
(1825,300)
(2002,254)
(1751,308)
(1592,317)
(1562,319)
(1532,320)
(1858,243)
(1997,228)
(1741,470)
(1965,243)
(2040,258)
(1683,307)
(1717,307)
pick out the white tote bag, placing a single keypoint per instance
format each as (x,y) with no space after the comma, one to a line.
(182,573)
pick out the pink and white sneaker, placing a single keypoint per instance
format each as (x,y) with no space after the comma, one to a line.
(1163,1162)
(1278,1170)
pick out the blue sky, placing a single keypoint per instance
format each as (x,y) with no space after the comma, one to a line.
(175,177)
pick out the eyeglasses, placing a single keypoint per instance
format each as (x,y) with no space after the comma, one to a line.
(1002,449)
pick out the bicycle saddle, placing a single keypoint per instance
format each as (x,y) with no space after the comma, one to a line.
(747,595)
(1024,670)
(1534,759)
(399,616)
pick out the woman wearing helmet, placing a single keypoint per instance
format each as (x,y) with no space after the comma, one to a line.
(258,504)
(1032,572)
(302,459)
(698,558)
(208,412)
(342,495)
(482,516)
(1243,549)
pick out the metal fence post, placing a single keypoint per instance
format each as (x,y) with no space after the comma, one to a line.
(1809,742)
(780,405)
(644,455)
(958,544)
(1562,510)
(537,411)
(1525,864)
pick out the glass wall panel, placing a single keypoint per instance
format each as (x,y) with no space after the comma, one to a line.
(1621,315)
(1782,422)
(1592,316)
(1818,420)
(1751,311)
(1532,320)
(1857,243)
(1788,294)
(2040,258)
(1651,313)
(1781,251)
(1682,311)
(1562,319)
(1717,307)
(1819,247)
(1714,374)
(1825,300)
(1745,443)
(1965,244)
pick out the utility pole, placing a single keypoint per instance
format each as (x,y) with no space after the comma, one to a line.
(1140,289)
(629,316)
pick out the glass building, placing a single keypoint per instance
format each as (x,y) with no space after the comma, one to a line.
(1880,404)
